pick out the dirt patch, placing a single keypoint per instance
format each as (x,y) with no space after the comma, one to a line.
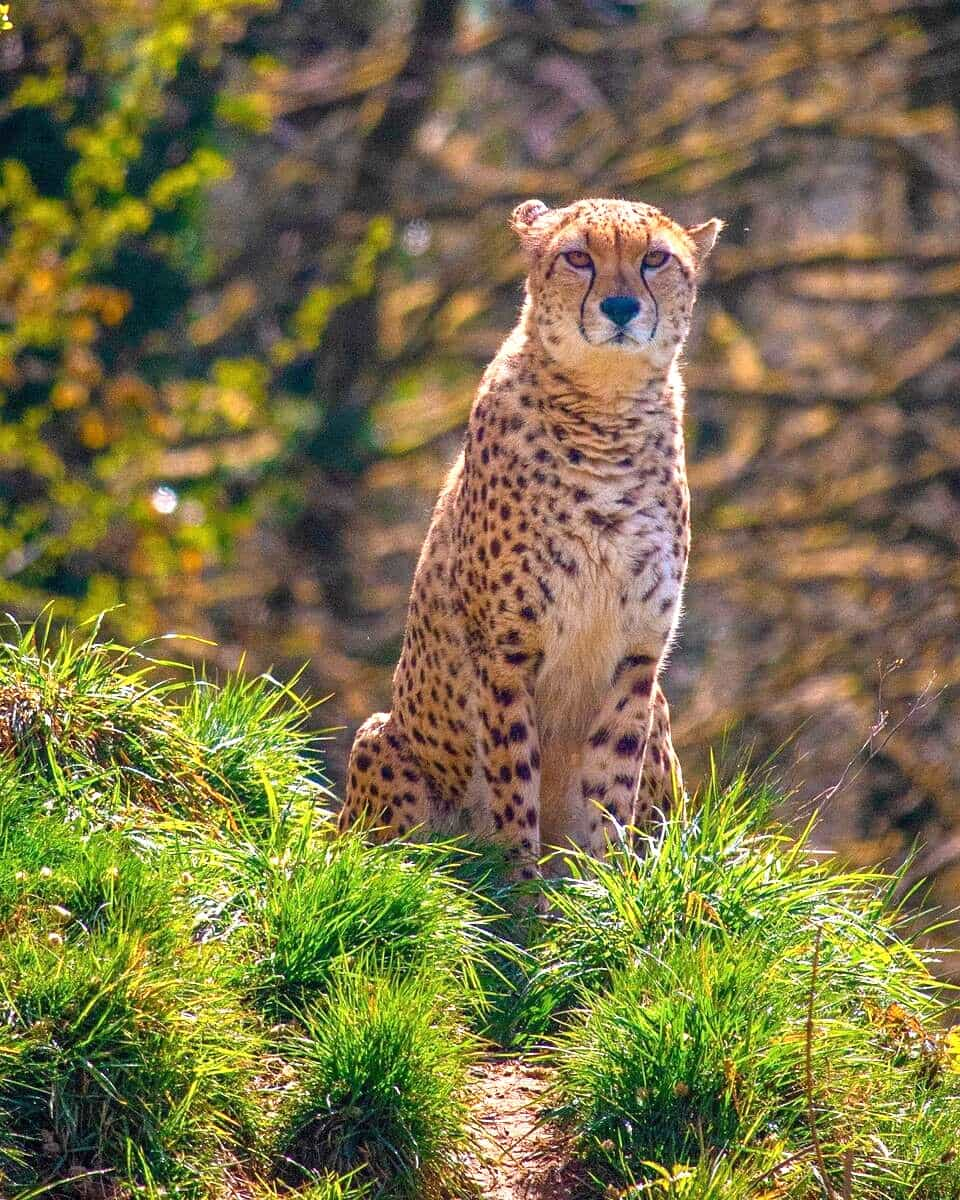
(518,1155)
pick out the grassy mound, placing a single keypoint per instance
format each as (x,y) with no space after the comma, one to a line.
(182,936)
(748,1019)
(204,992)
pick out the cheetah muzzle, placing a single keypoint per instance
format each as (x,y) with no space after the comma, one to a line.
(526,703)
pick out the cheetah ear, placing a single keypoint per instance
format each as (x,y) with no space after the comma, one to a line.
(523,221)
(524,215)
(703,237)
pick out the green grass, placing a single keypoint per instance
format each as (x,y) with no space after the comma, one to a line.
(381,1086)
(254,745)
(200,982)
(728,1003)
(59,872)
(113,1054)
(176,914)
(390,909)
(77,707)
(137,730)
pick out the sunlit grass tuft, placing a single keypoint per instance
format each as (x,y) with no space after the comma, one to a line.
(720,871)
(727,999)
(382,1071)
(254,744)
(59,873)
(76,705)
(113,1054)
(137,730)
(391,908)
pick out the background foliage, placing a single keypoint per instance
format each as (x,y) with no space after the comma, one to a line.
(254,257)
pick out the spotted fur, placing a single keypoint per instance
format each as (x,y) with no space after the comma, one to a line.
(526,703)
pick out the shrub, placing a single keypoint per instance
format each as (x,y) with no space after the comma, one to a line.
(110,128)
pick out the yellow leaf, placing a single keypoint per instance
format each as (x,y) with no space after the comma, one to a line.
(951,1044)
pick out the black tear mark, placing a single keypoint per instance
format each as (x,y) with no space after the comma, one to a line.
(586,297)
(552,265)
(656,307)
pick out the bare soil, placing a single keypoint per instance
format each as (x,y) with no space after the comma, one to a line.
(518,1155)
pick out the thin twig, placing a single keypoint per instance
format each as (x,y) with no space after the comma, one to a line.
(776,1168)
(874,748)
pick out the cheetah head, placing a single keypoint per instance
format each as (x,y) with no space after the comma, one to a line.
(611,283)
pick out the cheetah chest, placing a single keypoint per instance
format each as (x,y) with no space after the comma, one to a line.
(616,591)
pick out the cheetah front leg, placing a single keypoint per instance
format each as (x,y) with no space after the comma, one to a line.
(627,765)
(508,751)
(661,780)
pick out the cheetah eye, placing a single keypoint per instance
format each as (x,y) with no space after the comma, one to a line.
(579,259)
(653,260)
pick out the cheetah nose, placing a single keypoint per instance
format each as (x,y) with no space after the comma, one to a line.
(620,309)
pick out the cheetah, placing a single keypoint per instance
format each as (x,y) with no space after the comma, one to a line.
(526,703)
